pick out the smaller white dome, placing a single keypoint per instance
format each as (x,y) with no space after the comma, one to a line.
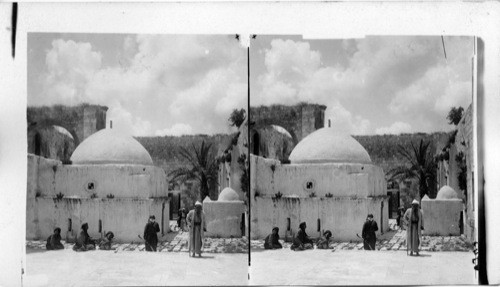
(63,131)
(281,130)
(228,194)
(446,192)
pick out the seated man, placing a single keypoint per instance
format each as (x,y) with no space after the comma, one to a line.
(324,241)
(272,240)
(302,240)
(84,242)
(54,241)
(106,243)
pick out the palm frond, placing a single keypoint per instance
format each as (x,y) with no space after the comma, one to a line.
(202,166)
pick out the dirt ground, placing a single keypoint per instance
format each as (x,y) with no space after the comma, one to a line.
(107,268)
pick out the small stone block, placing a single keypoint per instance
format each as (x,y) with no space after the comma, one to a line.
(341,245)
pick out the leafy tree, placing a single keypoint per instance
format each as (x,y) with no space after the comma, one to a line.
(237,117)
(201,167)
(462,172)
(190,195)
(455,115)
(245,175)
(420,165)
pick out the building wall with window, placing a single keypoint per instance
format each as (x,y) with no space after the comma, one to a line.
(330,184)
(111,184)
(306,180)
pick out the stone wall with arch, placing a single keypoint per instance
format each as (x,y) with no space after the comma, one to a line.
(81,121)
(299,120)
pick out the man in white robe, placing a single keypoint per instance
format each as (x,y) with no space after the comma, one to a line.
(197,227)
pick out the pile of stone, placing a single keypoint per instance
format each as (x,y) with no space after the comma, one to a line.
(446,243)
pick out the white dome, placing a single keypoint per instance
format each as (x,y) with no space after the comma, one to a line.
(446,192)
(111,147)
(63,131)
(228,194)
(281,130)
(327,145)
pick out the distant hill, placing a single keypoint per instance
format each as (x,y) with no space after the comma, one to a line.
(383,149)
(165,150)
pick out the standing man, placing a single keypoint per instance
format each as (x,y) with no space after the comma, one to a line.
(400,216)
(197,227)
(368,233)
(415,223)
(150,234)
(179,217)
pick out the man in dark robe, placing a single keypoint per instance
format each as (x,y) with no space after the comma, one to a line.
(324,241)
(150,234)
(368,233)
(180,214)
(84,242)
(302,240)
(401,212)
(54,241)
(106,243)
(272,241)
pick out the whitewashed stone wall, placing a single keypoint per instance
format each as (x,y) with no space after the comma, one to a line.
(50,177)
(338,179)
(224,218)
(125,217)
(356,190)
(343,216)
(441,216)
(139,191)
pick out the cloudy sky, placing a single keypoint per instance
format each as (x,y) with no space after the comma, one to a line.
(374,85)
(152,84)
(189,84)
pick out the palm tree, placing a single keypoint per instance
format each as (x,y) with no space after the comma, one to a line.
(202,167)
(421,165)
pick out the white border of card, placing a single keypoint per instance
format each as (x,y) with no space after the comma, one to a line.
(312,20)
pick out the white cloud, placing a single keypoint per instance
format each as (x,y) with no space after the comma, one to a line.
(458,93)
(437,91)
(343,120)
(69,68)
(293,61)
(294,74)
(396,128)
(125,122)
(176,130)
